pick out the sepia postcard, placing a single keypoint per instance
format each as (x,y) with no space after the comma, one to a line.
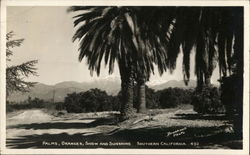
(124,77)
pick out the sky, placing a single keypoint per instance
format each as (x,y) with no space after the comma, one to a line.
(48,32)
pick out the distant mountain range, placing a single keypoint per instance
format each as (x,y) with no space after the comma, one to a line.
(174,83)
(60,90)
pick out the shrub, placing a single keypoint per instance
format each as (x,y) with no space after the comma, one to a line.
(27,104)
(207,101)
(94,100)
(59,106)
(72,103)
(152,99)
(115,101)
(172,97)
(9,108)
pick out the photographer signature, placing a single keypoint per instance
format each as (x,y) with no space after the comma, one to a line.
(177,132)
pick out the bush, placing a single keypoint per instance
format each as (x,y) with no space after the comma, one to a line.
(152,99)
(27,104)
(72,103)
(115,101)
(94,100)
(59,106)
(172,97)
(207,101)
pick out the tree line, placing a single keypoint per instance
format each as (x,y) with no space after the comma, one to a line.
(96,100)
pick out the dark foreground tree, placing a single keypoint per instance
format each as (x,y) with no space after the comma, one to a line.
(15,74)
(217,35)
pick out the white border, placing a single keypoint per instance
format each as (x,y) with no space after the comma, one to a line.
(3,76)
(245,4)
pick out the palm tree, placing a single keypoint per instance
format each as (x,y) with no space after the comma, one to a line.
(213,32)
(128,36)
(152,34)
(105,34)
(191,30)
(231,59)
(217,35)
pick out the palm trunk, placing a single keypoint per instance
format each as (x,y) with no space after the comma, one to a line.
(141,100)
(127,99)
(208,80)
(127,84)
(205,81)
(200,81)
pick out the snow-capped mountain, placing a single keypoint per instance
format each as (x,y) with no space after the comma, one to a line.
(111,85)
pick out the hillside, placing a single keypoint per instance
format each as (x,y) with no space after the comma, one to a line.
(174,83)
(60,90)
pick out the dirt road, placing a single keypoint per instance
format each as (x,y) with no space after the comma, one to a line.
(32,122)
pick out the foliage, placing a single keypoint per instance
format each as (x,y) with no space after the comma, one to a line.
(217,37)
(34,103)
(172,97)
(59,106)
(123,33)
(96,100)
(218,31)
(207,101)
(15,74)
(93,100)
(152,99)
(30,103)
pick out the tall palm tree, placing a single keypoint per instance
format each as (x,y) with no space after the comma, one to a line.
(217,34)
(104,34)
(125,35)
(213,32)
(191,32)
(152,35)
